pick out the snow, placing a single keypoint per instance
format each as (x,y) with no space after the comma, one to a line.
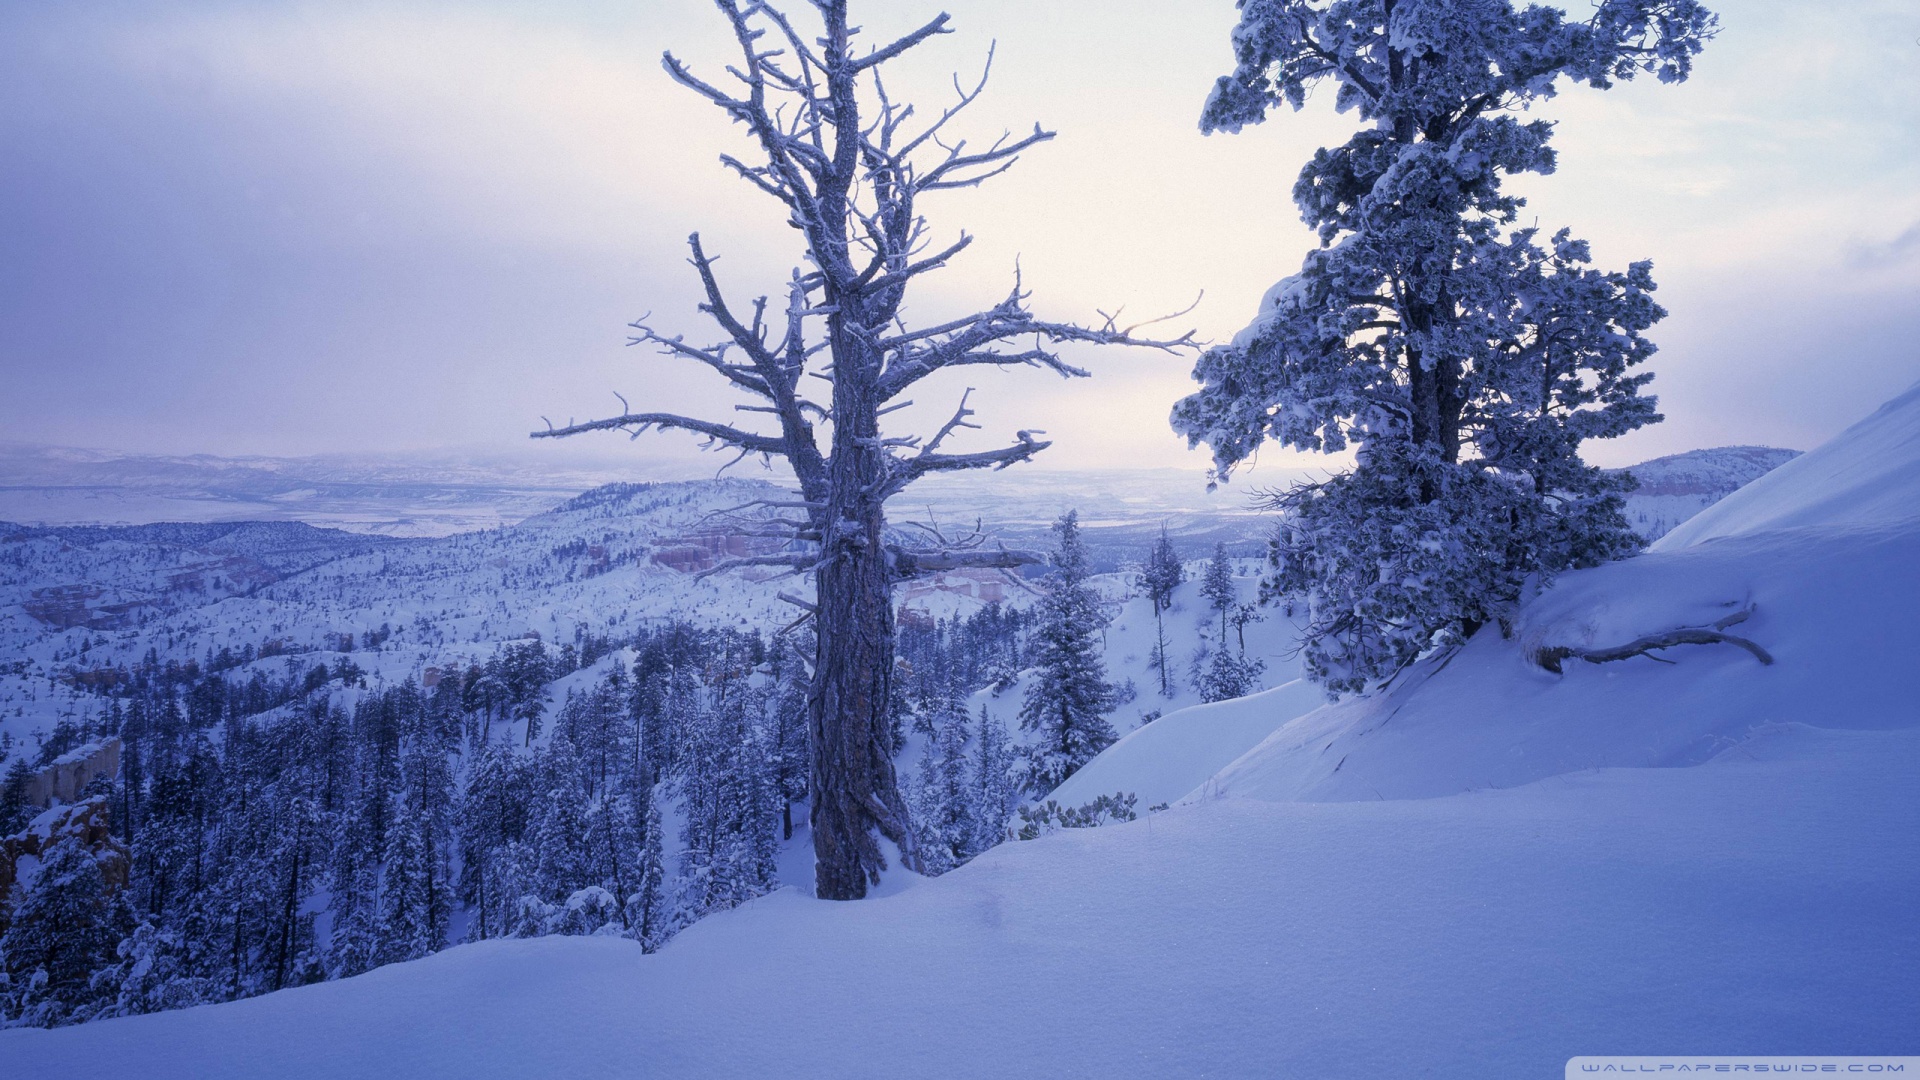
(1178,752)
(1760,903)
(1674,488)
(1825,604)
(1867,475)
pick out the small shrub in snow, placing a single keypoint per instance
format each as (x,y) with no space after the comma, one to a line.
(1038,821)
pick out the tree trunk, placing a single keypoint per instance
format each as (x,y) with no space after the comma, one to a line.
(1160,641)
(855,792)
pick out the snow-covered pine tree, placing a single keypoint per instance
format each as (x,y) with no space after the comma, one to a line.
(648,918)
(1229,675)
(943,798)
(789,708)
(1161,575)
(405,894)
(152,975)
(612,845)
(14,807)
(354,945)
(1217,587)
(559,835)
(752,845)
(1464,359)
(995,789)
(63,928)
(492,813)
(1067,701)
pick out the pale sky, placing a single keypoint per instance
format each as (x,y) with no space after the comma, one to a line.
(305,228)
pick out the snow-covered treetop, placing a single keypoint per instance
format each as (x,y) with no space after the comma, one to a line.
(1440,64)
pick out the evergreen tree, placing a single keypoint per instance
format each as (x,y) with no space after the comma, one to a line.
(1218,588)
(356,941)
(405,927)
(647,915)
(63,928)
(994,788)
(492,814)
(1066,704)
(1463,358)
(15,811)
(943,801)
(1228,675)
(791,756)
(613,847)
(751,868)
(153,974)
(1162,574)
(562,863)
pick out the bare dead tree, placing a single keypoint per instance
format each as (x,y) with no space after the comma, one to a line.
(852,166)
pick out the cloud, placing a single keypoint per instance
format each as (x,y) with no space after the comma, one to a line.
(295,228)
(1867,255)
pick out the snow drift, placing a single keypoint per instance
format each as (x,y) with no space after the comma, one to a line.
(1867,475)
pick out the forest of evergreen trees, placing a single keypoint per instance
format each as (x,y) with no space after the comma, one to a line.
(283,829)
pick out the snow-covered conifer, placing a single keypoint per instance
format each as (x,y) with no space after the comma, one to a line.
(14,807)
(1068,698)
(1161,575)
(648,918)
(1217,587)
(791,757)
(996,790)
(62,930)
(943,798)
(152,975)
(1228,674)
(1465,359)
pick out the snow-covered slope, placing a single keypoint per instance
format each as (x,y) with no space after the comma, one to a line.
(1673,489)
(1177,753)
(1868,475)
(1758,904)
(1825,551)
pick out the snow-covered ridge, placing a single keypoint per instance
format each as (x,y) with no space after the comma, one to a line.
(1674,488)
(1868,475)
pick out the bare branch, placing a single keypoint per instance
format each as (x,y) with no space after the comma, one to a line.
(906,471)
(637,423)
(908,564)
(881,56)
(973,340)
(807,605)
(796,564)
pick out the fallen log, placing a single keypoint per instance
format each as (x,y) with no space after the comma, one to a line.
(1553,657)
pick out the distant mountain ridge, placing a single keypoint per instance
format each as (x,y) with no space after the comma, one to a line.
(1678,486)
(431,496)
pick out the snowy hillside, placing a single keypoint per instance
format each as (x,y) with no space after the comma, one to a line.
(1822,552)
(1758,904)
(77,598)
(1483,870)
(1869,476)
(440,495)
(1675,488)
